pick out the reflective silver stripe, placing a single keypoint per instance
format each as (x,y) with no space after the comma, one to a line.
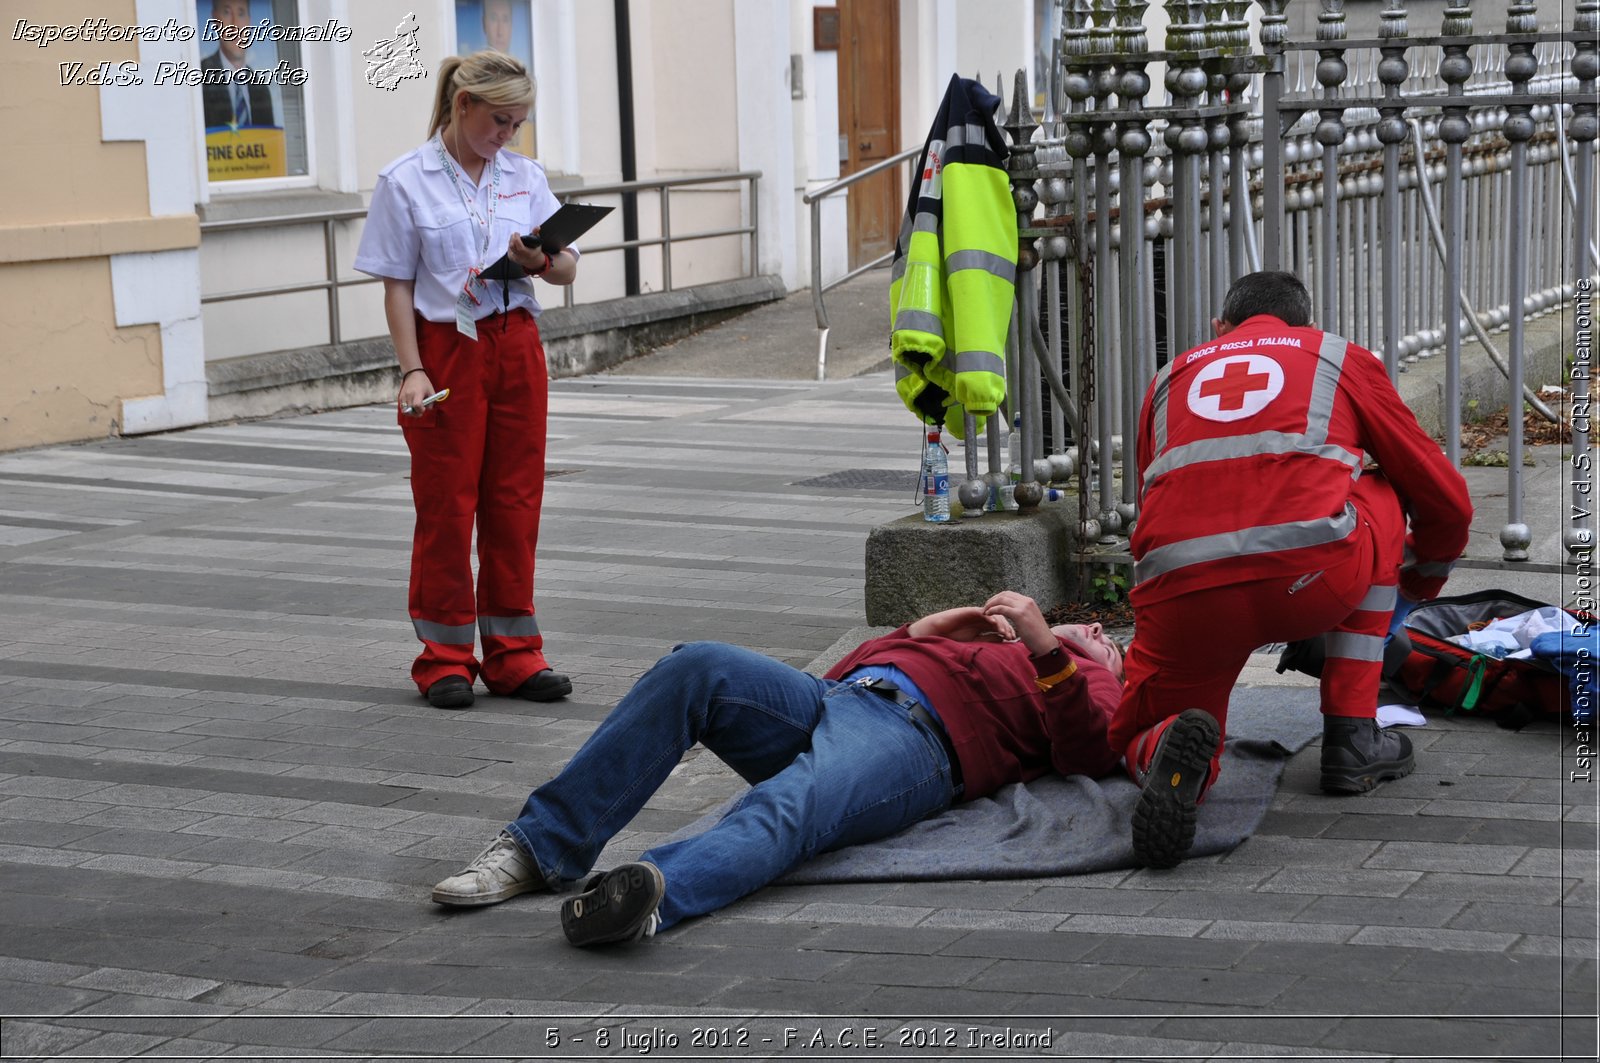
(898,269)
(1158,412)
(977,362)
(927,222)
(959,136)
(987,261)
(1230,447)
(1324,386)
(1348,646)
(920,321)
(508,626)
(1430,569)
(447,634)
(1266,539)
(1378,600)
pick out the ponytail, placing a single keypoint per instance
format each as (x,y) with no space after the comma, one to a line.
(491,76)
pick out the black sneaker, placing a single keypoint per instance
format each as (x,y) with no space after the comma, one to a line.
(451,692)
(1358,754)
(1163,820)
(544,686)
(618,906)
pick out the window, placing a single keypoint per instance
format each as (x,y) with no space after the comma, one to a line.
(252,88)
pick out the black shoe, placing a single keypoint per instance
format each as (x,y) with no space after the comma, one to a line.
(544,686)
(618,906)
(1358,754)
(451,692)
(1163,820)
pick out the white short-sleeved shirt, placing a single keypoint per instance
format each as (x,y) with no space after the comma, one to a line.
(419,229)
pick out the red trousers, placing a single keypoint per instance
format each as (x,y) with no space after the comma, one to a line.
(1188,651)
(478,457)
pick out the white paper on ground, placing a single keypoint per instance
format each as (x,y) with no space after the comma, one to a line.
(1400,716)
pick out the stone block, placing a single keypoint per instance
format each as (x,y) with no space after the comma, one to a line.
(915,568)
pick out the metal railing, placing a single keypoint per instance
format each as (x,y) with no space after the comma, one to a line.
(814,200)
(1289,157)
(332,283)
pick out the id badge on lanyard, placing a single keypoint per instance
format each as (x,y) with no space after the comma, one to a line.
(467,302)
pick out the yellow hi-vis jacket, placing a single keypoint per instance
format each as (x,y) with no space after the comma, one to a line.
(955,264)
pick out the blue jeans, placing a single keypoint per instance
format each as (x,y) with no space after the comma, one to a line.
(830,765)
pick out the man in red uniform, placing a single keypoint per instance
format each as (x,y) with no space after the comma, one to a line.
(1262,519)
(946,709)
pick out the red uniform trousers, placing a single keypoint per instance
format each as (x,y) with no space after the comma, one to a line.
(478,456)
(1188,650)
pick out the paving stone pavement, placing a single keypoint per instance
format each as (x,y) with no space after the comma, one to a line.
(222,805)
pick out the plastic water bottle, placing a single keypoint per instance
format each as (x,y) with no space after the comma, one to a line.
(1013,467)
(935,481)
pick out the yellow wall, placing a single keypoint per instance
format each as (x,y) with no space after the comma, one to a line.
(67,202)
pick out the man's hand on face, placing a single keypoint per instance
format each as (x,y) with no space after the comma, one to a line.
(1026,619)
(966,624)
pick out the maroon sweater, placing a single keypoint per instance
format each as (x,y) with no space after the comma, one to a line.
(1003,729)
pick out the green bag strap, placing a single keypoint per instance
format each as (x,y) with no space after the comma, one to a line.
(1475,669)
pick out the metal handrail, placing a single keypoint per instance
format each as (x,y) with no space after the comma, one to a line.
(332,283)
(813,199)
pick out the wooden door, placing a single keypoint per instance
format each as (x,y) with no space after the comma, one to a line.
(869,122)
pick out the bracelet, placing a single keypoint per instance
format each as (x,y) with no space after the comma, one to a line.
(1045,682)
(408,372)
(549,264)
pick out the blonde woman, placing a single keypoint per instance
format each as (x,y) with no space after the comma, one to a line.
(440,213)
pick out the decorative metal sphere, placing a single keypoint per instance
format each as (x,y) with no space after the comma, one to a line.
(1454,129)
(1528,304)
(1497,317)
(1053,248)
(1041,470)
(1520,66)
(1237,83)
(1077,87)
(1088,530)
(1152,228)
(1025,198)
(1584,126)
(1134,84)
(1256,156)
(1291,151)
(1330,132)
(1133,141)
(1515,539)
(1218,137)
(1055,190)
(1331,71)
(1127,513)
(1190,81)
(1164,172)
(1192,140)
(1164,227)
(1391,130)
(1408,346)
(1028,495)
(1105,82)
(1078,143)
(973,494)
(1393,70)
(1110,523)
(1103,139)
(1027,257)
(1367,184)
(1586,65)
(1519,127)
(1153,171)
(1061,468)
(1455,68)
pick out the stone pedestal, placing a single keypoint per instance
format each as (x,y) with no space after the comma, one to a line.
(915,568)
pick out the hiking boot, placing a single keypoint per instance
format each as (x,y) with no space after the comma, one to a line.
(544,685)
(451,692)
(502,870)
(1358,754)
(1163,820)
(618,906)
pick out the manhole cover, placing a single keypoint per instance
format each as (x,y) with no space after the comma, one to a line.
(863,480)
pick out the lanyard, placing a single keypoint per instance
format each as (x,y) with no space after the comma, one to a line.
(470,199)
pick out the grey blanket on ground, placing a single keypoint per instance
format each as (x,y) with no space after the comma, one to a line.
(1074,825)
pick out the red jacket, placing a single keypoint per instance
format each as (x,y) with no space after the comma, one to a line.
(1003,729)
(1249,447)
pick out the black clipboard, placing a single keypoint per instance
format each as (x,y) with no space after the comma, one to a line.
(555,232)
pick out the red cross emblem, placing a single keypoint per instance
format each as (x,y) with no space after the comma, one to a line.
(1235,387)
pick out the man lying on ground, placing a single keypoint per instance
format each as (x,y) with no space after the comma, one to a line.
(946,709)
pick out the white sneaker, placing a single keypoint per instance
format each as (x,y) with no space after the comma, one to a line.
(501,871)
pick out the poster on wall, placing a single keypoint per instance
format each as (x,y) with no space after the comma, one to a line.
(243,112)
(505,26)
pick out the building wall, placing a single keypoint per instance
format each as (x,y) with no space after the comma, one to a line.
(97,261)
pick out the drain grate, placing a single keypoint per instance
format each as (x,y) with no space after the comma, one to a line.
(863,480)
